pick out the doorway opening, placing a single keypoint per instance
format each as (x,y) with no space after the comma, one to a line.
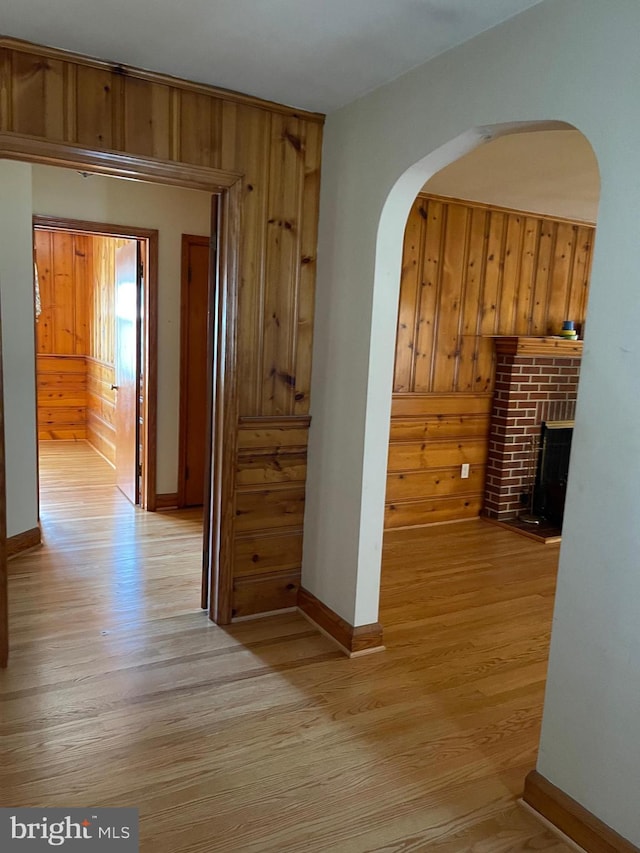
(96,339)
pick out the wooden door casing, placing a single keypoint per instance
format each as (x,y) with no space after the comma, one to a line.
(195,301)
(127,368)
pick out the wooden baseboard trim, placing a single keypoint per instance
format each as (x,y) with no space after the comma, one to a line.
(168,500)
(582,827)
(353,641)
(22,542)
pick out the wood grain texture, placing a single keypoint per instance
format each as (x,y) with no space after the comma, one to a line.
(61,394)
(23,542)
(352,640)
(571,818)
(264,157)
(118,685)
(101,408)
(470,272)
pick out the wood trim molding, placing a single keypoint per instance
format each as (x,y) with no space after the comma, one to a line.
(155,77)
(571,818)
(275,422)
(532,346)
(352,641)
(167,500)
(23,542)
(219,533)
(15,146)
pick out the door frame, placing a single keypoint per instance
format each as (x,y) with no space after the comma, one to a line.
(149,332)
(186,241)
(222,339)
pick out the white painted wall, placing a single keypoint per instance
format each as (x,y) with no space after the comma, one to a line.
(575,61)
(16,293)
(171,210)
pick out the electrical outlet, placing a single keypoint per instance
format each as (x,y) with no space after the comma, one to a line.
(464,471)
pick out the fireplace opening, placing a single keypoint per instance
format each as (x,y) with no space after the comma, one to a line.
(550,488)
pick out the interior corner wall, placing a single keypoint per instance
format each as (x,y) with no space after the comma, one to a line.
(173,211)
(567,60)
(18,346)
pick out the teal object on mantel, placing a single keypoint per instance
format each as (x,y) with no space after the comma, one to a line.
(568,330)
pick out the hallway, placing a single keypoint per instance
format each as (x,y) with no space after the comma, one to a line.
(262,737)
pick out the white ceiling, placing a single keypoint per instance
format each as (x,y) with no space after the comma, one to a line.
(311,54)
(551,172)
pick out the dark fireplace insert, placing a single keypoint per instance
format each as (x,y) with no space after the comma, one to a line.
(552,471)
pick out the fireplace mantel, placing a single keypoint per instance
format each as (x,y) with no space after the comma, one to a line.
(554,347)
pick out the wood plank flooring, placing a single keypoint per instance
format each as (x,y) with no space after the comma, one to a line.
(262,737)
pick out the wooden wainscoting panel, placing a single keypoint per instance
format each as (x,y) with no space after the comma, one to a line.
(432,436)
(435,482)
(431,511)
(583,827)
(61,389)
(101,431)
(352,640)
(264,509)
(265,593)
(271,468)
(264,552)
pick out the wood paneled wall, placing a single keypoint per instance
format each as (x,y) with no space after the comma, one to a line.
(75,337)
(469,272)
(64,270)
(50,95)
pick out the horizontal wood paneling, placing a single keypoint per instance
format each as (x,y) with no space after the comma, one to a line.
(269,512)
(101,431)
(61,390)
(432,435)
(275,151)
(469,272)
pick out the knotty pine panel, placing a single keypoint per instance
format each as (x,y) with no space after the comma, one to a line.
(469,272)
(52,95)
(64,276)
(101,432)
(269,512)
(61,393)
(431,437)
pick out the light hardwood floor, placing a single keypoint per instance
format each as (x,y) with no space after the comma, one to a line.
(262,737)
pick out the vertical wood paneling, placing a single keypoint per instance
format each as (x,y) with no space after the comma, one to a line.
(253,145)
(451,297)
(146,118)
(282,265)
(410,285)
(426,326)
(467,368)
(39,81)
(307,262)
(485,272)
(64,270)
(469,272)
(96,103)
(199,129)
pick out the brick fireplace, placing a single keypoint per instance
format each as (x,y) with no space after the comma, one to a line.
(536,382)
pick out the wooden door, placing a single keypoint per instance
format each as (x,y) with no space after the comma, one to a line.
(128,290)
(193,368)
